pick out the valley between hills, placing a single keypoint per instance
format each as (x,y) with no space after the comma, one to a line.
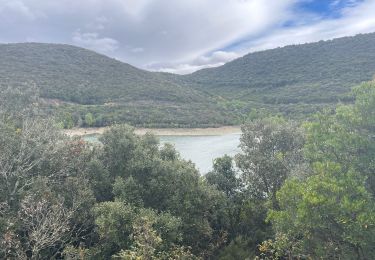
(82,88)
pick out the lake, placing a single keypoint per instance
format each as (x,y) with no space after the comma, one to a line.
(201,150)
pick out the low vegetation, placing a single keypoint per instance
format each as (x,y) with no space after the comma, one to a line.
(299,191)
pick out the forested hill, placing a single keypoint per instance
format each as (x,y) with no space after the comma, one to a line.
(85,83)
(78,75)
(306,74)
(89,89)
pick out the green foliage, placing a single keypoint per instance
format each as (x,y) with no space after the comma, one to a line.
(100,91)
(133,176)
(294,80)
(131,198)
(327,216)
(66,120)
(223,176)
(148,242)
(330,215)
(346,136)
(271,149)
(44,193)
(100,180)
(128,190)
(16,103)
(133,232)
(115,223)
(243,217)
(89,119)
(238,248)
(79,82)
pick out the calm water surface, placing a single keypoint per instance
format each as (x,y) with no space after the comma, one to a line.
(201,150)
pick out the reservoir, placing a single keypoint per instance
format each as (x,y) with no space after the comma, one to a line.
(200,149)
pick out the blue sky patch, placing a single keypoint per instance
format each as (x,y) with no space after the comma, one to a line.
(326,8)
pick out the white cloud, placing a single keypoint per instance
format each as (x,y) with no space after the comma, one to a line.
(354,20)
(92,41)
(216,59)
(179,36)
(170,31)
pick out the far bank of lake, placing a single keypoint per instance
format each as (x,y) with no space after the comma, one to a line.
(162,131)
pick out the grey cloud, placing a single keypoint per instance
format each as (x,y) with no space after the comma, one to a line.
(137,50)
(179,36)
(355,19)
(14,10)
(93,41)
(158,31)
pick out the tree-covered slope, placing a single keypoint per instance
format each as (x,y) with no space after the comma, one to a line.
(314,73)
(90,89)
(82,76)
(87,82)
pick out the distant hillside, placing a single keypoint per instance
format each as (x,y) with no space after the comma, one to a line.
(293,79)
(88,89)
(79,75)
(86,82)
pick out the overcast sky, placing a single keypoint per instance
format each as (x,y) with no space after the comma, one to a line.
(182,36)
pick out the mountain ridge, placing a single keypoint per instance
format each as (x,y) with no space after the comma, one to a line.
(294,80)
(92,80)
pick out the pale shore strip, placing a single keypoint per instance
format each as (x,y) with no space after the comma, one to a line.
(161,131)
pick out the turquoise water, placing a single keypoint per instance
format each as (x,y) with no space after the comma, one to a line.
(201,150)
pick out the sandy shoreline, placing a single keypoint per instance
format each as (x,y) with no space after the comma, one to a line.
(161,131)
